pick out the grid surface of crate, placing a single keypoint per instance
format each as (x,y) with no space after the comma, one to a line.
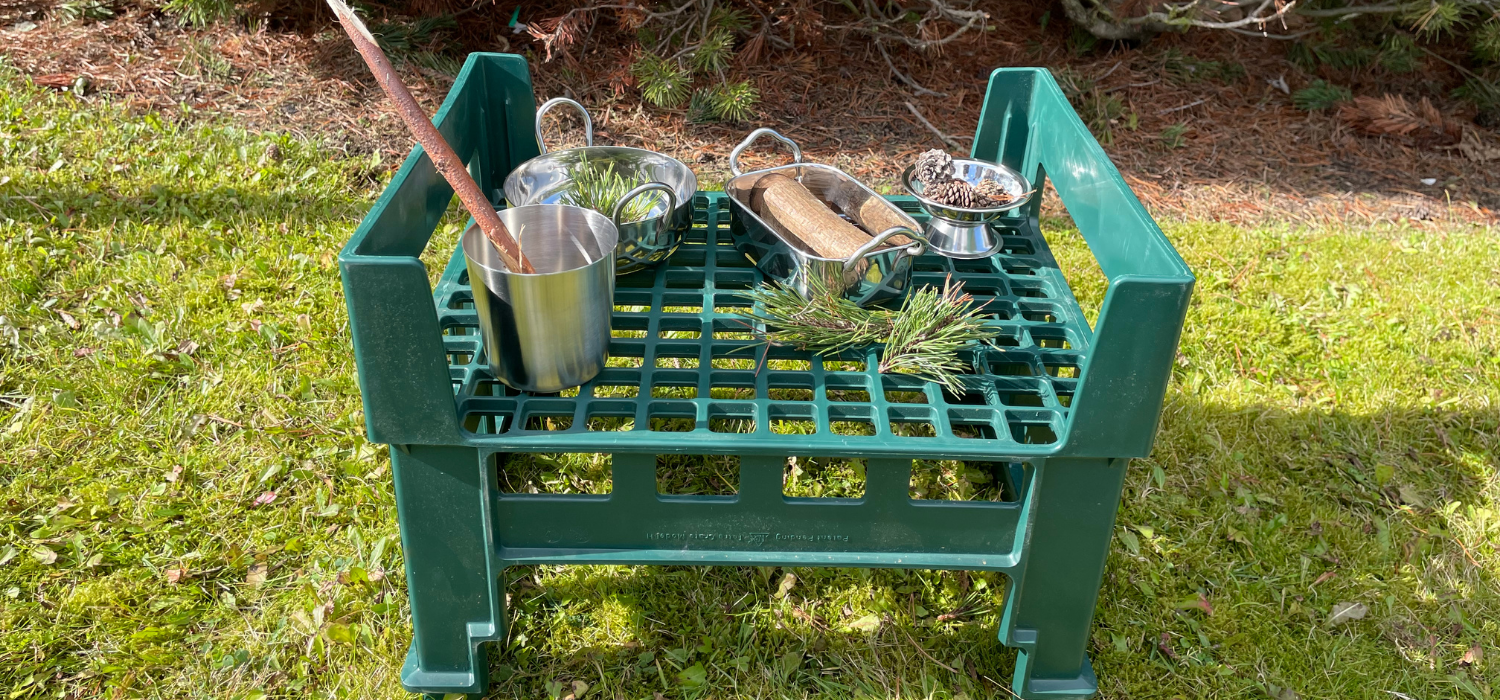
(686,372)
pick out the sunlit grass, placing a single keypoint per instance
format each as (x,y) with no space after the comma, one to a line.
(188,507)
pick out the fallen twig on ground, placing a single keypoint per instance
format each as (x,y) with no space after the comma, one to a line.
(951,141)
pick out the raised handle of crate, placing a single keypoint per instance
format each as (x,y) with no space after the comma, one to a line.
(734,155)
(588,121)
(1124,381)
(1027,123)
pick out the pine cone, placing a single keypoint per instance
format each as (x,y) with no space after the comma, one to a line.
(954,193)
(992,191)
(933,167)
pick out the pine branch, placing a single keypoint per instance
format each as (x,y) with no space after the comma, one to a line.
(922,339)
(827,322)
(929,330)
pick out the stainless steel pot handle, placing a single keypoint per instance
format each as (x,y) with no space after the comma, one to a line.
(879,240)
(734,156)
(658,186)
(588,121)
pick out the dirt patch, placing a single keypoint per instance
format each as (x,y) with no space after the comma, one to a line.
(1200,124)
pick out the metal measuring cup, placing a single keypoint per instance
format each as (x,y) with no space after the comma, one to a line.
(548,331)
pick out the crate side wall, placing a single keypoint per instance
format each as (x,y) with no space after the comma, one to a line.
(403,372)
(1122,383)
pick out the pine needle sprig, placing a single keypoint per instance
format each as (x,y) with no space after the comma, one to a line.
(730,102)
(599,186)
(923,338)
(929,331)
(714,53)
(663,82)
(827,323)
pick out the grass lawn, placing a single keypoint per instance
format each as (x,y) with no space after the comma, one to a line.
(188,506)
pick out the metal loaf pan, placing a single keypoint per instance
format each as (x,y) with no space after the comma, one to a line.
(879,271)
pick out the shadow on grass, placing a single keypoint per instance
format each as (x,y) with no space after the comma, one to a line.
(841,631)
(1252,508)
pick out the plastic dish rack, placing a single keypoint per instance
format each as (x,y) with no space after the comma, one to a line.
(1054,408)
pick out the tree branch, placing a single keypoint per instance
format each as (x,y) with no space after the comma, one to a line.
(903,77)
(877,25)
(950,141)
(1099,21)
(443,158)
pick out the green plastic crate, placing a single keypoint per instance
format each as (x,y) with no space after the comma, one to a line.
(1055,408)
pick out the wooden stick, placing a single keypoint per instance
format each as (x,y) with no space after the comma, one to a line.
(876,216)
(443,158)
(779,198)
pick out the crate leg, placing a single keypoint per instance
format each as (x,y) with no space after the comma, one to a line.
(451,570)
(1071,515)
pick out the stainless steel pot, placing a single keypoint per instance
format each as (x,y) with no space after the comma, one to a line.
(547,178)
(876,272)
(548,331)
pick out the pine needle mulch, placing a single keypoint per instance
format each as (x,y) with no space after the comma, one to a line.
(1198,123)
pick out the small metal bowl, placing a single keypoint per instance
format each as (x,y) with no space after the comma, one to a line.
(547,179)
(957,232)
